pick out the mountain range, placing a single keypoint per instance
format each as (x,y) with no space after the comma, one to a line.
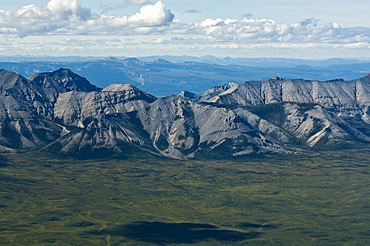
(63,113)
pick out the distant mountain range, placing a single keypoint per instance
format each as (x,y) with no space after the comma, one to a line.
(63,113)
(166,75)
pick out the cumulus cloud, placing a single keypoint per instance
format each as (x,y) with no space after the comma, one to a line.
(69,17)
(34,20)
(152,15)
(65,9)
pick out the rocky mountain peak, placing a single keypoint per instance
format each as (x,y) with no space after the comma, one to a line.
(64,80)
(215,91)
(25,113)
(129,92)
(61,81)
(188,94)
(21,97)
(8,79)
(119,87)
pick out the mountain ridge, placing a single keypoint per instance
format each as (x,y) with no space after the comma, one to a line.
(63,113)
(349,97)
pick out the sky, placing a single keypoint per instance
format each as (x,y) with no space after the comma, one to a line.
(315,29)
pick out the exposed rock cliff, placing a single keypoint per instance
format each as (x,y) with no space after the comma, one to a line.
(73,107)
(103,119)
(25,114)
(345,98)
(27,106)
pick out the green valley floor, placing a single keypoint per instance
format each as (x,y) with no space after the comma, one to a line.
(315,199)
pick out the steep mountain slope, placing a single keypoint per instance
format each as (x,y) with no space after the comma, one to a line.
(341,97)
(102,136)
(170,124)
(73,107)
(27,106)
(181,129)
(25,114)
(101,119)
(308,125)
(174,126)
(21,97)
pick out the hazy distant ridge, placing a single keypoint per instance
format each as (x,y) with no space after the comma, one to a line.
(165,75)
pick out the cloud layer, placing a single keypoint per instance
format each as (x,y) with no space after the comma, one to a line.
(155,25)
(269,31)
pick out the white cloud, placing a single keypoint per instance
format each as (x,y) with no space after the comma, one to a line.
(66,9)
(359,45)
(254,30)
(152,15)
(69,17)
(177,45)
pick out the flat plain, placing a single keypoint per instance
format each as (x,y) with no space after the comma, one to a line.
(313,199)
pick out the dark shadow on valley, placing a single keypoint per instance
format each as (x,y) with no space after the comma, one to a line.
(170,233)
(3,161)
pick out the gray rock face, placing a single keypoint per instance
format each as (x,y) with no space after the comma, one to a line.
(345,98)
(27,110)
(65,114)
(20,98)
(302,124)
(103,119)
(179,128)
(171,126)
(73,107)
(25,114)
(101,136)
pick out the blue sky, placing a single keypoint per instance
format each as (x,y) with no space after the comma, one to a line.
(264,28)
